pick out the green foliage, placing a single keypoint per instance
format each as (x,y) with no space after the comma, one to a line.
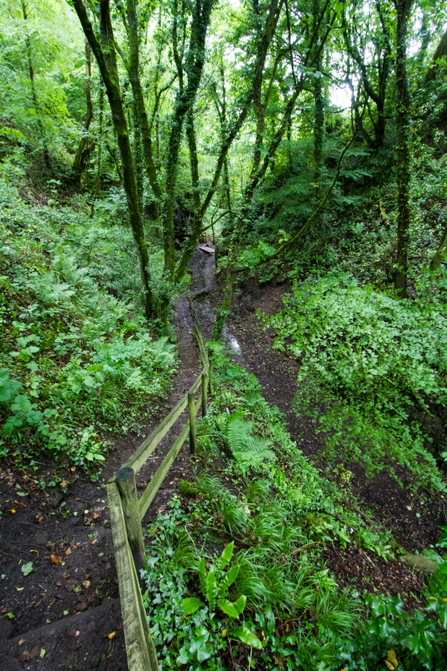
(51,37)
(75,361)
(250,451)
(215,583)
(418,639)
(372,365)
(241,564)
(194,638)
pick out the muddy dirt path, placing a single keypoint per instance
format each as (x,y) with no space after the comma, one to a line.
(59,597)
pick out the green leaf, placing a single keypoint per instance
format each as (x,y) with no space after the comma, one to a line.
(27,568)
(442,614)
(21,404)
(240,604)
(228,607)
(199,645)
(246,636)
(202,575)
(229,578)
(7,386)
(211,589)
(226,556)
(191,605)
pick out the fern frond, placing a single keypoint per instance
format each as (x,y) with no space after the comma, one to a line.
(258,444)
(238,434)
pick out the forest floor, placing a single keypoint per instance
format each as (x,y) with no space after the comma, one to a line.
(65,615)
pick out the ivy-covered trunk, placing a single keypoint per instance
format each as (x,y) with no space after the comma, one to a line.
(318,95)
(133,68)
(403,166)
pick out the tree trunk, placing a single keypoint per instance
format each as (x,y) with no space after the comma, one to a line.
(318,95)
(29,56)
(100,140)
(105,55)
(85,146)
(137,89)
(184,103)
(403,148)
(441,50)
(196,228)
(440,253)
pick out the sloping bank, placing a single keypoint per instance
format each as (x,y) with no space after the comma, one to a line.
(236,577)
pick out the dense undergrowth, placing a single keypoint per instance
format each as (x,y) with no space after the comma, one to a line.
(373,371)
(76,357)
(235,574)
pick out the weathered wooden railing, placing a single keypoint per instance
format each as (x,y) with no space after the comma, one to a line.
(127,512)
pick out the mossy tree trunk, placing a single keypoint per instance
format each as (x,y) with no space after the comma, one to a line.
(133,69)
(103,47)
(85,145)
(195,61)
(403,164)
(318,95)
(32,79)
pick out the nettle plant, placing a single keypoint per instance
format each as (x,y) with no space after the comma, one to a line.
(371,366)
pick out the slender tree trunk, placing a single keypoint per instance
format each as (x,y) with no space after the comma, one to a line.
(137,89)
(100,139)
(105,55)
(441,50)
(184,103)
(403,148)
(85,145)
(318,95)
(138,153)
(196,227)
(29,56)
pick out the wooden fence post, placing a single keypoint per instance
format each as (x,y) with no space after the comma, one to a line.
(125,479)
(192,424)
(204,393)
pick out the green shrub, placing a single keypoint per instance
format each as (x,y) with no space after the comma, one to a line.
(75,361)
(371,366)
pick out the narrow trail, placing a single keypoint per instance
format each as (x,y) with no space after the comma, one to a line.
(65,615)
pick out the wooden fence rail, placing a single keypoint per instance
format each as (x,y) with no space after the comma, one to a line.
(127,512)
